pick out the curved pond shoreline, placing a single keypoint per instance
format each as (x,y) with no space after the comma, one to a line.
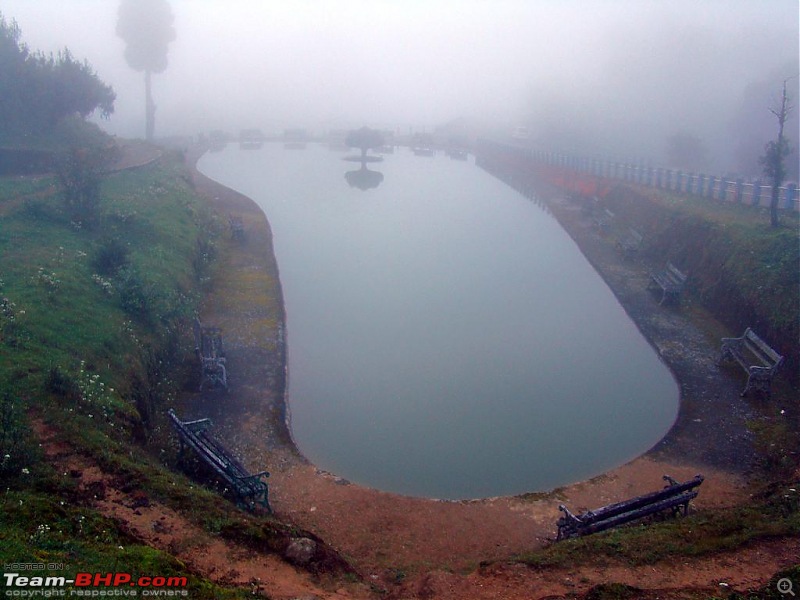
(378,528)
(447,339)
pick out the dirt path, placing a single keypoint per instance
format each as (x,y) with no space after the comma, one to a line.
(229,564)
(158,526)
(717,576)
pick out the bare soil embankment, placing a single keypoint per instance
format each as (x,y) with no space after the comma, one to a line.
(426,548)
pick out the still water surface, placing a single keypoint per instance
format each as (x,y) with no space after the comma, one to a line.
(446,338)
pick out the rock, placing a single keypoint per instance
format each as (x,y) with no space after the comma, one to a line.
(301,550)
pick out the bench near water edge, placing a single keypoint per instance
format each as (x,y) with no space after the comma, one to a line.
(250,490)
(630,243)
(671,280)
(211,353)
(755,356)
(236,225)
(674,497)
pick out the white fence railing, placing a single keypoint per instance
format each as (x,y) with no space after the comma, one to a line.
(697,184)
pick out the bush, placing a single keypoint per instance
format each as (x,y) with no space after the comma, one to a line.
(61,384)
(37,209)
(136,296)
(79,174)
(110,257)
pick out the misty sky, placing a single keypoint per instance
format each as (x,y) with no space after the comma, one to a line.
(613,77)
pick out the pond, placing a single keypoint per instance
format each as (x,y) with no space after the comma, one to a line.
(446,337)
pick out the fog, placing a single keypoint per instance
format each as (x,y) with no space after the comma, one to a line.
(597,77)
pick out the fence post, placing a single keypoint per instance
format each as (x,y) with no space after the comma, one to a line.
(791,196)
(757,192)
(739,191)
(748,189)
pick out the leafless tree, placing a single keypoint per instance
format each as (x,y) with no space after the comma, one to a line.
(776,152)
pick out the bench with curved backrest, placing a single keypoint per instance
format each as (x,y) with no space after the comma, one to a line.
(630,243)
(603,219)
(250,490)
(236,226)
(671,280)
(211,353)
(675,496)
(755,356)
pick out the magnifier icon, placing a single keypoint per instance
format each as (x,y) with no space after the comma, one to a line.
(785,586)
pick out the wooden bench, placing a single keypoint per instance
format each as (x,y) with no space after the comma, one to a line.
(673,497)
(211,354)
(671,281)
(249,490)
(603,220)
(629,244)
(755,356)
(237,227)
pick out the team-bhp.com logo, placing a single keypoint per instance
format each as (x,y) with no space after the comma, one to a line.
(92,585)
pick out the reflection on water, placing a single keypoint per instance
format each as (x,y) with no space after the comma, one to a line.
(363,178)
(449,340)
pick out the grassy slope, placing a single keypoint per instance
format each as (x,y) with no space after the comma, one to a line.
(62,335)
(95,350)
(62,317)
(746,273)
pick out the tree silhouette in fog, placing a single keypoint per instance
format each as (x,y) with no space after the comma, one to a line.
(364,138)
(146,27)
(38,91)
(776,152)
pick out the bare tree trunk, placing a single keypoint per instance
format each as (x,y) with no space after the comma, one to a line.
(150,108)
(774,221)
(779,170)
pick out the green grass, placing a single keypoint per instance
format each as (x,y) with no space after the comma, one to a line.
(40,527)
(740,269)
(12,188)
(773,514)
(100,357)
(61,314)
(97,349)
